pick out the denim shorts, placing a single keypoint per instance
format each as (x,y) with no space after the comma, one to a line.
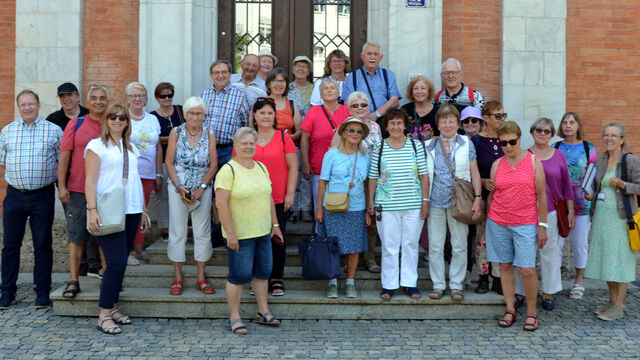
(252,260)
(512,244)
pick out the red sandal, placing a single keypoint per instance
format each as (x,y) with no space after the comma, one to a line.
(505,323)
(529,326)
(176,288)
(205,287)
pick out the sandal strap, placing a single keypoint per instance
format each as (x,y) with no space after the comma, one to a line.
(265,315)
(236,321)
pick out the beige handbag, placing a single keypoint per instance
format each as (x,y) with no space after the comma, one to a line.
(111,206)
(462,196)
(339,202)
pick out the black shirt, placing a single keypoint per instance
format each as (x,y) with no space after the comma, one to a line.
(168,123)
(60,118)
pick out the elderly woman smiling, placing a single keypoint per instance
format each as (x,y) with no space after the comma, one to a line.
(249,222)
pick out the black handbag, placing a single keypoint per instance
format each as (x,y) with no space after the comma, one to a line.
(320,257)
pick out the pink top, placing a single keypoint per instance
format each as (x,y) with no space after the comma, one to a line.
(515,201)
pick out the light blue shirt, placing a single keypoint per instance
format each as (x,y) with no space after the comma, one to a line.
(337,169)
(252,90)
(380,92)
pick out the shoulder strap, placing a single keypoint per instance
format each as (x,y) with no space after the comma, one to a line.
(282,136)
(177,110)
(386,82)
(445,157)
(627,202)
(438,95)
(293,109)
(353,78)
(586,150)
(373,101)
(533,162)
(328,117)
(79,123)
(125,164)
(380,156)
(557,146)
(233,173)
(261,167)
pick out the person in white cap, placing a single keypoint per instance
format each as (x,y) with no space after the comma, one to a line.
(268,61)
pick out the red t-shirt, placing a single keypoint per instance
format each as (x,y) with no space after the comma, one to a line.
(273,157)
(76,141)
(316,123)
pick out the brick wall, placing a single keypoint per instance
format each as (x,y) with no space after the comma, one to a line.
(110,45)
(603,54)
(471,33)
(7,70)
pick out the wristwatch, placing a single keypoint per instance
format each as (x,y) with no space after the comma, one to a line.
(378,113)
(203,186)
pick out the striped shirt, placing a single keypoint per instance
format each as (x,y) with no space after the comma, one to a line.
(398,186)
(29,153)
(227,111)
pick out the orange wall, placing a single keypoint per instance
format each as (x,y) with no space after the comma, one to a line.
(7,70)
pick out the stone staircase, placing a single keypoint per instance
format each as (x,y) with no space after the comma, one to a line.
(146,293)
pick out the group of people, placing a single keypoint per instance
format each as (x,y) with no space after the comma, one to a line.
(230,161)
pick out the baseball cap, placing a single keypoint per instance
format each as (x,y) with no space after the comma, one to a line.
(67,88)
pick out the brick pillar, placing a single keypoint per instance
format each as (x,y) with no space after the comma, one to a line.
(471,33)
(110,45)
(7,70)
(603,54)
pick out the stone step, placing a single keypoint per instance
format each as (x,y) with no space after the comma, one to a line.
(296,304)
(162,276)
(158,255)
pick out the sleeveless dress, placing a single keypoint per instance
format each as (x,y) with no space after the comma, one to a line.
(191,163)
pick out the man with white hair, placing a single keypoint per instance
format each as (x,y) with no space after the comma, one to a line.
(378,83)
(455,92)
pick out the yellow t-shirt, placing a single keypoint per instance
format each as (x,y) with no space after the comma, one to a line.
(250,199)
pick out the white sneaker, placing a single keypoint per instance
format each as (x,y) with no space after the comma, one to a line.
(131,260)
(143,255)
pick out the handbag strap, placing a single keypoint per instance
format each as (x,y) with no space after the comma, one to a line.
(355,164)
(177,110)
(446,157)
(328,118)
(125,164)
(627,203)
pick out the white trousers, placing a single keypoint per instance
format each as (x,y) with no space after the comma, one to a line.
(200,223)
(550,260)
(579,241)
(159,202)
(400,231)
(437,224)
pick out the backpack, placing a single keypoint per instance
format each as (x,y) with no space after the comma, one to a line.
(415,150)
(471,97)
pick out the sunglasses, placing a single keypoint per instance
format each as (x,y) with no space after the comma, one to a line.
(499,116)
(266,99)
(356,131)
(121,117)
(472,120)
(362,105)
(542,131)
(512,142)
(170,96)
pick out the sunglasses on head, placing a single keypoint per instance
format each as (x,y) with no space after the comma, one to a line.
(169,96)
(121,117)
(357,131)
(362,105)
(472,120)
(511,142)
(266,99)
(542,131)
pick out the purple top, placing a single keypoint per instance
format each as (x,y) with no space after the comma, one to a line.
(558,180)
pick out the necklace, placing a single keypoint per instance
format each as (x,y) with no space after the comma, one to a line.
(136,117)
(262,141)
(192,136)
(165,115)
(495,145)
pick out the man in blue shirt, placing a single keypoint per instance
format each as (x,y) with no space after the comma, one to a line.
(378,83)
(248,79)
(29,149)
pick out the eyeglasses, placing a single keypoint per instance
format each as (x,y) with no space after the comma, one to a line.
(121,117)
(362,105)
(542,131)
(169,96)
(137,96)
(216,73)
(378,212)
(279,81)
(358,131)
(511,142)
(301,66)
(472,120)
(611,136)
(449,73)
(337,61)
(499,116)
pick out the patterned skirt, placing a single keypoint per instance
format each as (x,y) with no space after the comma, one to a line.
(350,229)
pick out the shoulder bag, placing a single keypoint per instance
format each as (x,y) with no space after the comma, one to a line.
(111,206)
(339,202)
(320,256)
(633,221)
(563,216)
(462,196)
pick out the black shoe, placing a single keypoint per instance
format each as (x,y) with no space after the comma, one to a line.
(548,304)
(496,285)
(82,271)
(43,301)
(6,301)
(483,285)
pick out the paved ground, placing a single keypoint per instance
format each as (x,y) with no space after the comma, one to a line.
(569,332)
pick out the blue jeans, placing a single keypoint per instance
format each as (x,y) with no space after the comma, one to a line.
(116,248)
(38,207)
(252,260)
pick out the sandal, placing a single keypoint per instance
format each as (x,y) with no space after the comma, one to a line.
(69,293)
(240,329)
(275,286)
(262,319)
(531,326)
(457,294)
(205,287)
(109,330)
(436,294)
(577,292)
(413,292)
(176,288)
(122,319)
(386,294)
(372,267)
(504,322)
